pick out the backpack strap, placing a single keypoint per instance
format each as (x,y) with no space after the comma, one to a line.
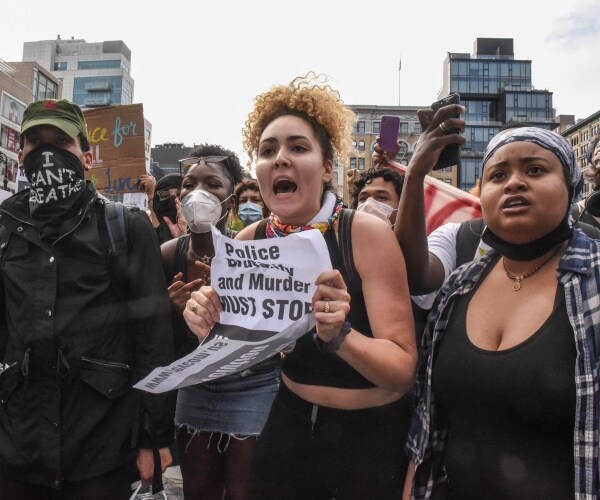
(112,224)
(345,246)
(114,219)
(467,240)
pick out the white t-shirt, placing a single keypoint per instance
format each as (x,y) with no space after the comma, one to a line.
(442,244)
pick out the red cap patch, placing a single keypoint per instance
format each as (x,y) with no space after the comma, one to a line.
(49,105)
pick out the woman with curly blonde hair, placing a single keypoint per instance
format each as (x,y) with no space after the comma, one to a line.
(338,424)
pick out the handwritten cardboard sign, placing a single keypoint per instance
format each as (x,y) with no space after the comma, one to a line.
(116,135)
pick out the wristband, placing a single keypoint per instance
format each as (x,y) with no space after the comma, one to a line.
(333,345)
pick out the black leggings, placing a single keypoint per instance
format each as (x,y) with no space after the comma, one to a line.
(346,454)
(214,466)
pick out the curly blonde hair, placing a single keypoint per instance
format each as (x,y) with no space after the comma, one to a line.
(308,97)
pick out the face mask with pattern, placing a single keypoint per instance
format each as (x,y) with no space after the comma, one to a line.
(56,178)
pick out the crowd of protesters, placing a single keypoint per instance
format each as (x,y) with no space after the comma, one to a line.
(487,387)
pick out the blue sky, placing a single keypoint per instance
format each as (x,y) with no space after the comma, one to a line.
(197,66)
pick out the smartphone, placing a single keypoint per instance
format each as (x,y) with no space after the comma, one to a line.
(388,133)
(450,155)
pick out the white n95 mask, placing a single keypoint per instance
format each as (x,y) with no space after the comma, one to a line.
(201,209)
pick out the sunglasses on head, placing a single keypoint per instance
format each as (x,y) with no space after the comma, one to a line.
(166,193)
(186,163)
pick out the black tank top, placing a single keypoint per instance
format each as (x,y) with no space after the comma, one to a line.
(306,364)
(510,414)
(184,341)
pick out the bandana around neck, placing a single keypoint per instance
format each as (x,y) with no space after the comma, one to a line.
(276,228)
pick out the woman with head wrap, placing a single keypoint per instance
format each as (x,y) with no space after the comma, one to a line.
(507,387)
(168,218)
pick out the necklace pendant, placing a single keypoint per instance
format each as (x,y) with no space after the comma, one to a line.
(516,286)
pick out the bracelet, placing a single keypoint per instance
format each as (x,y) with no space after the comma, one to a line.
(333,345)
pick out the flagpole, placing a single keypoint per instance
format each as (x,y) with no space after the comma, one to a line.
(399,68)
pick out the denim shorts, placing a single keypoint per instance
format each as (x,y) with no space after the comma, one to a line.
(236,404)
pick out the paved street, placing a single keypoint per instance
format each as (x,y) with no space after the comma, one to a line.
(173,483)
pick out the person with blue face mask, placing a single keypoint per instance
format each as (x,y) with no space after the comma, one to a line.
(250,206)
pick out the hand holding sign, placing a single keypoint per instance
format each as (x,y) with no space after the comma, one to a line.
(202,311)
(261,300)
(331,304)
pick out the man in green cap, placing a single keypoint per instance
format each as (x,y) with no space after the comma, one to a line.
(74,336)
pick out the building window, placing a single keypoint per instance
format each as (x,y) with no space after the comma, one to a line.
(352,162)
(43,88)
(376,127)
(361,145)
(360,127)
(361,164)
(404,128)
(12,109)
(101,91)
(353,144)
(107,64)
(417,128)
(60,66)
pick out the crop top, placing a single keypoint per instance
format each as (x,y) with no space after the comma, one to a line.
(306,364)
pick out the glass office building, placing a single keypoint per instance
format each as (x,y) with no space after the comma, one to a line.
(93,74)
(496,89)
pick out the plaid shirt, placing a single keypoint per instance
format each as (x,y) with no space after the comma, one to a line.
(579,273)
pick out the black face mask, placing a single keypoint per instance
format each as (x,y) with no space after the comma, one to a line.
(533,249)
(166,208)
(56,177)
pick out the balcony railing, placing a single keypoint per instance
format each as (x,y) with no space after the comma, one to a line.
(98,86)
(97,101)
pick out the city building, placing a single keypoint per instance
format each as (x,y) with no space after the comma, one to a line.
(581,135)
(93,74)
(165,158)
(20,84)
(495,88)
(367,129)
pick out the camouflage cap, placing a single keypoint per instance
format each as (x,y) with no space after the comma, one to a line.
(63,114)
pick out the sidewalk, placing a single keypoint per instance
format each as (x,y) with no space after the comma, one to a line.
(173,483)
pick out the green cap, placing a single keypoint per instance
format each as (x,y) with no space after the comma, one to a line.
(63,114)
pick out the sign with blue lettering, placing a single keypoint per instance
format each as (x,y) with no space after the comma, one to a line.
(116,135)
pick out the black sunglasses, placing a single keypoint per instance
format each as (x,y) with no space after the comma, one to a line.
(186,163)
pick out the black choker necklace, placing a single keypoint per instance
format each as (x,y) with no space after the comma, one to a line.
(533,249)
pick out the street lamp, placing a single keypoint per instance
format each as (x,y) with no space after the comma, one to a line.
(4,159)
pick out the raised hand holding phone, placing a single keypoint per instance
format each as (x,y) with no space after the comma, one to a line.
(388,133)
(450,155)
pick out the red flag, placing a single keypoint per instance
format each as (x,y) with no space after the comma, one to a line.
(444,202)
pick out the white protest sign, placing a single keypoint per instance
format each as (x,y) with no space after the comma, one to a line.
(267,284)
(266,288)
